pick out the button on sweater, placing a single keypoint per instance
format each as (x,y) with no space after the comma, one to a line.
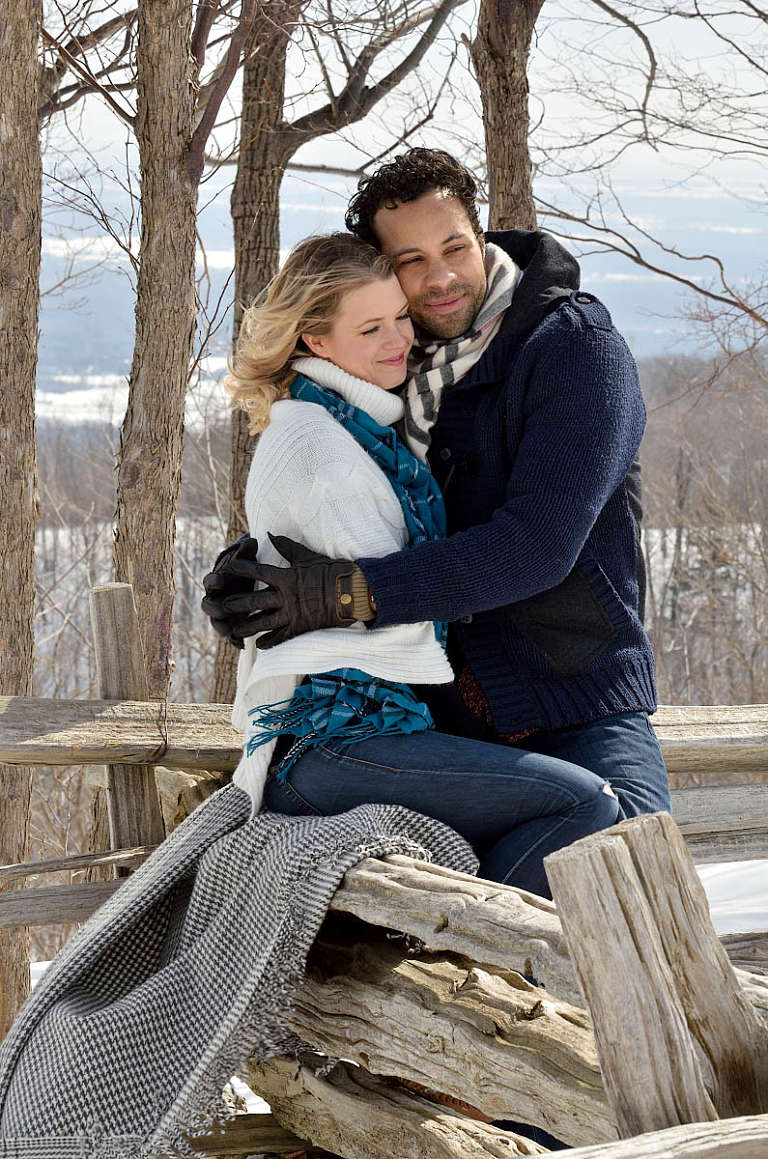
(535,449)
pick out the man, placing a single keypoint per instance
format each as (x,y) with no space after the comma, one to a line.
(525,401)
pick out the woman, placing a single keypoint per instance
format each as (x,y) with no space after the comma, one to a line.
(330,718)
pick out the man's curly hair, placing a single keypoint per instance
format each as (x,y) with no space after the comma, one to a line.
(407,177)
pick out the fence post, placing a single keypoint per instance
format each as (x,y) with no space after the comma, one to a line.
(677,1039)
(135,816)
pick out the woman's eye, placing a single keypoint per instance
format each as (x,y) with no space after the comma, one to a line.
(403,317)
(372,330)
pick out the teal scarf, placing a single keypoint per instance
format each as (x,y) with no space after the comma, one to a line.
(348,704)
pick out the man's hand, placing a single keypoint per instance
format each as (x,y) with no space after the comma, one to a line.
(223,582)
(314,592)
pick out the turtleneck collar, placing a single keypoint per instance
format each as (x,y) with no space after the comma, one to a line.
(382,405)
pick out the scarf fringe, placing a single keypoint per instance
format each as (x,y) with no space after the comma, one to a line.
(346,706)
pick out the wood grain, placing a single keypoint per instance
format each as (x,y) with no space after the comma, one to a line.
(480,1034)
(350,1113)
(678,1040)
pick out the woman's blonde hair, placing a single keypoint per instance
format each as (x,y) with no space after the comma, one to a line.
(302,299)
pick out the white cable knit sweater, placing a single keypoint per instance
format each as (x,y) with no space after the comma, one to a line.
(312,481)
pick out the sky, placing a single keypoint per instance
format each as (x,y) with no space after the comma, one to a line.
(86,331)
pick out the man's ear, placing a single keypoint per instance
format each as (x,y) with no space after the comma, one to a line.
(315,343)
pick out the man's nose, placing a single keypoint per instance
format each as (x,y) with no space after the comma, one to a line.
(439,273)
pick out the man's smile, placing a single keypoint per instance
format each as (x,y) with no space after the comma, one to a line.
(446,305)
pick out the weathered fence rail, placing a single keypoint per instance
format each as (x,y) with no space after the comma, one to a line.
(669,1031)
(722,807)
(723,815)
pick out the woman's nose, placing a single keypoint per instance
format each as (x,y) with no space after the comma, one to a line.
(394,340)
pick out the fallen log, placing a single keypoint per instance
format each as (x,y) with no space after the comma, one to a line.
(741,1138)
(749,950)
(350,1113)
(460,914)
(482,1035)
(248,1135)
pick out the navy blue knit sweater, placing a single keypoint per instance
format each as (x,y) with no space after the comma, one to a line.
(535,449)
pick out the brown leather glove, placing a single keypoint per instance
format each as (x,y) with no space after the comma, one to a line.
(222,582)
(314,592)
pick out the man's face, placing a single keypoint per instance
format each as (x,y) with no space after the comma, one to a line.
(438,260)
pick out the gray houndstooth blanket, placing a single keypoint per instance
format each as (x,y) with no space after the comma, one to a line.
(127,1041)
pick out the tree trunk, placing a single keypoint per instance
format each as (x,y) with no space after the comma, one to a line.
(20,213)
(500,56)
(255,206)
(149,472)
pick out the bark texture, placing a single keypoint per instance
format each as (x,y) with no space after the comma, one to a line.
(500,56)
(255,205)
(20,211)
(149,472)
(480,1034)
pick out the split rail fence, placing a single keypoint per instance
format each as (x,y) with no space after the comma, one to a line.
(646,1034)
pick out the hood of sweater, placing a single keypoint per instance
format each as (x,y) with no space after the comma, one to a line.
(550,273)
(382,405)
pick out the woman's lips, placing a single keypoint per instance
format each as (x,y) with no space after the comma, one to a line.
(394,361)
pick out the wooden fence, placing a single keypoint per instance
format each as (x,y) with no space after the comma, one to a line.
(677,1034)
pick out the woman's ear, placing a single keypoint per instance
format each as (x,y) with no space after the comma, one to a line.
(315,343)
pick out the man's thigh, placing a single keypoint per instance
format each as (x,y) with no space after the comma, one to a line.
(622,749)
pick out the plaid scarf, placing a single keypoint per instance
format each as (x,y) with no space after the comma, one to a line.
(124,1045)
(348,704)
(440,362)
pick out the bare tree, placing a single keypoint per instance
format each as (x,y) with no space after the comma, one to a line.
(19,277)
(86,54)
(634,87)
(175,115)
(706,538)
(347,49)
(500,56)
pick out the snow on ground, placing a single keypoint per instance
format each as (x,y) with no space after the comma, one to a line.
(738,895)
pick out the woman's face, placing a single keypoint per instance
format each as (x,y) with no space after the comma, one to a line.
(371,334)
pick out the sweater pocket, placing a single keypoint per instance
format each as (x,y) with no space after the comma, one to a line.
(572,624)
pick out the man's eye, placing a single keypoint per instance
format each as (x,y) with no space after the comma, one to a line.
(455,249)
(409,261)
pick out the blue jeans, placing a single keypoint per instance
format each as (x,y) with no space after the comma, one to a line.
(513,806)
(623,749)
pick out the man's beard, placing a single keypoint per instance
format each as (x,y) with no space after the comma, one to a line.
(449,325)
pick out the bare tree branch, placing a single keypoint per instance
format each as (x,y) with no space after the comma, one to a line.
(89,79)
(206,14)
(652,66)
(196,154)
(356,100)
